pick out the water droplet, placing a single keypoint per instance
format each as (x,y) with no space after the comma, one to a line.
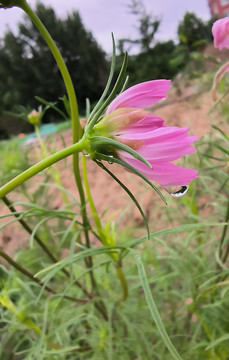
(110,161)
(177,191)
(86,153)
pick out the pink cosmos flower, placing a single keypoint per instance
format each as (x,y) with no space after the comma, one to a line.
(220,31)
(147,134)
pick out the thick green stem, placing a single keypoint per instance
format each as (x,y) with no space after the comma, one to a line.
(35,169)
(77,130)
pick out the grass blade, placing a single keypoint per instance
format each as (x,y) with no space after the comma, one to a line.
(153,309)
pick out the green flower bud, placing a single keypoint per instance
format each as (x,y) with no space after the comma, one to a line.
(34,117)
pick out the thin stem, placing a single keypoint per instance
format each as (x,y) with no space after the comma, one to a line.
(36,280)
(89,196)
(100,229)
(40,141)
(43,164)
(10,206)
(77,130)
(224,235)
(50,254)
(123,283)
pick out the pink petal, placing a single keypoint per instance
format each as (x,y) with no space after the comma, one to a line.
(164,173)
(166,132)
(141,95)
(220,31)
(148,123)
(169,151)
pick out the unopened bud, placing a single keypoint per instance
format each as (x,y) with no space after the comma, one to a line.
(34,117)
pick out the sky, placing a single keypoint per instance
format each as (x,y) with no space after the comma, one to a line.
(102,17)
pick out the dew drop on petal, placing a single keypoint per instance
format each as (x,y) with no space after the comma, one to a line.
(177,191)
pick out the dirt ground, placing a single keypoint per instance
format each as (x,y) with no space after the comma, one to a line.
(186,106)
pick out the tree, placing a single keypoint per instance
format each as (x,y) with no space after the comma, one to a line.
(27,68)
(147,27)
(193,31)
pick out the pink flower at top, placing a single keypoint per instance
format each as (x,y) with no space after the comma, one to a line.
(147,134)
(220,31)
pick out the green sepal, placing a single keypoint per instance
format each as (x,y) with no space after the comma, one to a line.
(130,168)
(97,141)
(111,74)
(129,193)
(112,95)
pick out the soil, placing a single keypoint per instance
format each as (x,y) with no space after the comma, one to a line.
(187,105)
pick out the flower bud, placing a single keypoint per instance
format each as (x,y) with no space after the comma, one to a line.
(220,32)
(34,117)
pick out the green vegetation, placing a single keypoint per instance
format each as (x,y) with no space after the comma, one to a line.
(86,286)
(185,263)
(27,68)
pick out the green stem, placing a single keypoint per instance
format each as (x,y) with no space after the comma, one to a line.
(89,196)
(10,206)
(77,130)
(35,169)
(224,258)
(123,283)
(40,141)
(100,229)
(36,280)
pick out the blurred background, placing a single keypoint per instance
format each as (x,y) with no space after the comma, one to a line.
(161,38)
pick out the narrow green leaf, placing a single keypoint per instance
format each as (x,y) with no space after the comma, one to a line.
(218,341)
(110,97)
(125,84)
(221,131)
(99,103)
(51,105)
(177,229)
(129,193)
(52,269)
(100,141)
(132,169)
(221,148)
(153,309)
(66,105)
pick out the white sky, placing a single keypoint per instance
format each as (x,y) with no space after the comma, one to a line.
(102,17)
